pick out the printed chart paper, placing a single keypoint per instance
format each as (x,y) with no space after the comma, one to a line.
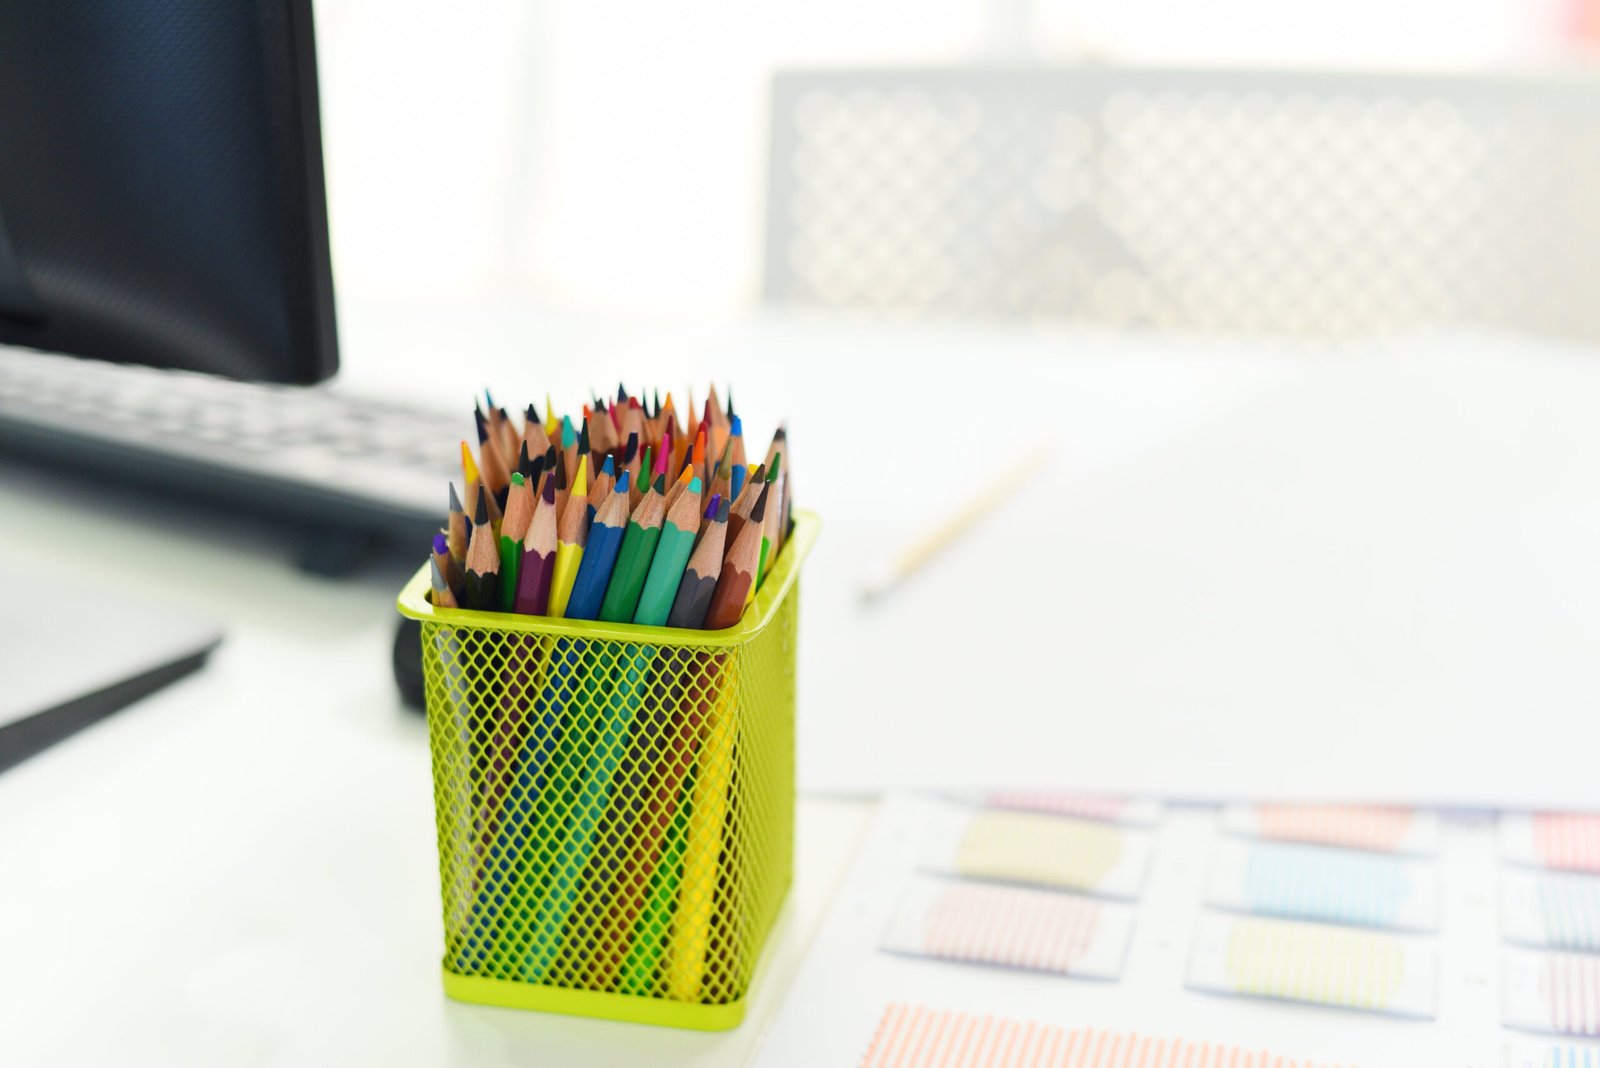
(1555,992)
(1375,828)
(1034,849)
(1556,911)
(910,1036)
(1545,1055)
(1326,885)
(1318,963)
(1559,841)
(1438,1002)
(1010,926)
(1108,808)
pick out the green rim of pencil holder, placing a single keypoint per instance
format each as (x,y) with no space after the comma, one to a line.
(615,803)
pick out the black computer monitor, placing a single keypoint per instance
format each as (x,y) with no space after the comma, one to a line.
(161,194)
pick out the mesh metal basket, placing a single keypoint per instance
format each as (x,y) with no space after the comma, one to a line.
(615,803)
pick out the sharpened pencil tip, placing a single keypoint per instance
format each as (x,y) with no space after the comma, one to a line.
(722,511)
(711,509)
(760,511)
(455,499)
(549,494)
(441,544)
(609,467)
(480,516)
(622,482)
(737,429)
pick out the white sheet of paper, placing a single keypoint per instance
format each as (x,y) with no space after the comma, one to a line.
(847,981)
(1377,582)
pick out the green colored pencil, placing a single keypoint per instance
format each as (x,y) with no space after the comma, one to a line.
(671,556)
(633,559)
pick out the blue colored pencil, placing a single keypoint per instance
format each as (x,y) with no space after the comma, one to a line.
(600,554)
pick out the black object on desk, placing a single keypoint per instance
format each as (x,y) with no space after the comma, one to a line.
(72,660)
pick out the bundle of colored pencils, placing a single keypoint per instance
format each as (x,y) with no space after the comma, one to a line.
(626,515)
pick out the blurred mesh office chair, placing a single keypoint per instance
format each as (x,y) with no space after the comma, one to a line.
(1284,204)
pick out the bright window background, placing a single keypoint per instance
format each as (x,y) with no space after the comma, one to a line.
(611,154)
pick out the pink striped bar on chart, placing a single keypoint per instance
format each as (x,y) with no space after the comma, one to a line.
(1086,806)
(1571,987)
(1567,841)
(1379,828)
(910,1036)
(1003,925)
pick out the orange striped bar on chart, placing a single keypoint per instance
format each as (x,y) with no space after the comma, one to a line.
(910,1036)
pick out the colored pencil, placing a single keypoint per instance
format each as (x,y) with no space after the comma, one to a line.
(539,555)
(633,559)
(745,503)
(737,461)
(600,554)
(680,487)
(483,561)
(699,581)
(492,463)
(678,532)
(533,434)
(443,596)
(769,535)
(456,529)
(447,564)
(569,447)
(604,483)
(572,532)
(632,461)
(519,513)
(738,569)
(469,469)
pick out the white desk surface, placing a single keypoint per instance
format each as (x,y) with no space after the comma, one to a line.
(241,869)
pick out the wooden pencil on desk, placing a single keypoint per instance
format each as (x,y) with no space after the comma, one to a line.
(538,555)
(699,582)
(739,566)
(483,560)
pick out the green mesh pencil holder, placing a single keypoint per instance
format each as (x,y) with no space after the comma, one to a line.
(615,803)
